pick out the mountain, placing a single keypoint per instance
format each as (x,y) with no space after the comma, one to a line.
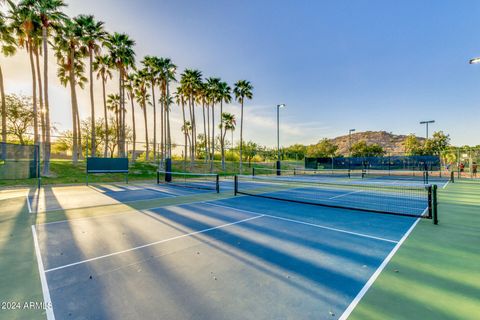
(391,143)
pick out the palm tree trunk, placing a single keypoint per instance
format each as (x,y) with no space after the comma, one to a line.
(34,92)
(169,137)
(134,133)
(40,98)
(79,129)
(222,136)
(147,157)
(184,135)
(241,135)
(105,114)
(73,97)
(192,141)
(155,124)
(46,153)
(92,103)
(4,112)
(207,138)
(205,131)
(213,137)
(119,115)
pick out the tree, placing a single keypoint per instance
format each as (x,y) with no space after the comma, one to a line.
(167,70)
(297,151)
(229,123)
(69,52)
(130,86)
(143,99)
(180,101)
(362,149)
(250,149)
(323,149)
(212,87)
(122,56)
(243,89)
(438,143)
(113,104)
(412,145)
(92,33)
(191,82)
(50,15)
(224,95)
(151,72)
(7,46)
(103,66)
(19,116)
(26,25)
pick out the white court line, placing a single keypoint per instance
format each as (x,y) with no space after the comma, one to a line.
(345,194)
(43,279)
(375,275)
(28,202)
(308,224)
(446,184)
(152,244)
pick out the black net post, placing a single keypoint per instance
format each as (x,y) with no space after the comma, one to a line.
(235,185)
(434,204)
(452,177)
(168,169)
(253,171)
(430,201)
(279,172)
(217,183)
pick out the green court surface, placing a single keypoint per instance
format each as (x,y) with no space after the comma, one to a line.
(434,275)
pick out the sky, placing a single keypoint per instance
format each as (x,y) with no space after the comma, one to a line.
(364,64)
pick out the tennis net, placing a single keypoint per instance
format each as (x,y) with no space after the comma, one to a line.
(407,175)
(205,181)
(406,199)
(326,173)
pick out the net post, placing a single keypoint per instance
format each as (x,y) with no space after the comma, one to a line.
(435,204)
(168,170)
(217,183)
(294,171)
(430,201)
(279,172)
(253,171)
(235,185)
(452,177)
(158,177)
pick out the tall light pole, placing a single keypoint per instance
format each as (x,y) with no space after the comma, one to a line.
(278,136)
(426,124)
(350,142)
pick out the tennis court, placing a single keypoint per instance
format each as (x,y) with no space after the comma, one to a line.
(243,257)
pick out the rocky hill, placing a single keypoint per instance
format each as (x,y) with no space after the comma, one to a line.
(390,142)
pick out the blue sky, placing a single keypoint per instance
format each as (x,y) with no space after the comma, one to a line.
(369,65)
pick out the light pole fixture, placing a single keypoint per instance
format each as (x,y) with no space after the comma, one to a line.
(426,124)
(350,142)
(283,105)
(474,61)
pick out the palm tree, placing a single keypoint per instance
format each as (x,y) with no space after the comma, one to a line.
(26,24)
(92,34)
(50,14)
(166,74)
(7,43)
(213,94)
(102,66)
(243,89)
(151,71)
(143,98)
(202,99)
(190,80)
(113,104)
(123,56)
(229,123)
(224,95)
(69,52)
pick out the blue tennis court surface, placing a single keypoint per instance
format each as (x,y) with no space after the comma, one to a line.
(236,258)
